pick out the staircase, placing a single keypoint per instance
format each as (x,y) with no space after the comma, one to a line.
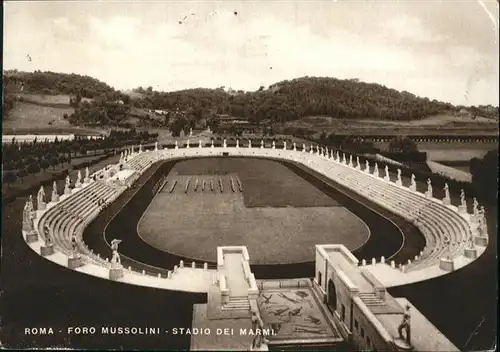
(370,299)
(237,303)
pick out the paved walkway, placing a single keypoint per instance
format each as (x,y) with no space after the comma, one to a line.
(235,276)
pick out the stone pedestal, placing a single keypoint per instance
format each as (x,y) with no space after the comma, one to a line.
(473,218)
(446,264)
(86,180)
(75,262)
(386,178)
(470,253)
(78,184)
(31,237)
(46,250)
(399,183)
(402,345)
(55,198)
(481,241)
(116,272)
(446,201)
(462,209)
(67,191)
(41,206)
(413,188)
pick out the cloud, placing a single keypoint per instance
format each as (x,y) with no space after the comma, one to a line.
(407,28)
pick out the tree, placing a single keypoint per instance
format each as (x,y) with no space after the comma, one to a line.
(22,174)
(402,145)
(485,176)
(44,164)
(9,177)
(33,169)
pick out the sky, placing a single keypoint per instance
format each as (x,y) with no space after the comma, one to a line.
(446,50)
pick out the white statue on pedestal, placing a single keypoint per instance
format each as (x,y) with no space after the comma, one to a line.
(399,175)
(249,143)
(212,145)
(413,182)
(446,191)
(387,171)
(78,179)
(475,206)
(115,260)
(311,150)
(284,145)
(429,187)
(367,167)
(224,143)
(303,147)
(176,145)
(156,146)
(190,131)
(375,170)
(274,145)
(87,173)
(350,160)
(74,247)
(121,156)
(55,196)
(140,147)
(199,144)
(262,143)
(358,165)
(237,143)
(462,199)
(188,144)
(294,146)
(41,198)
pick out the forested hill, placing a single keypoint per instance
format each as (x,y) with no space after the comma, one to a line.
(280,102)
(306,96)
(52,83)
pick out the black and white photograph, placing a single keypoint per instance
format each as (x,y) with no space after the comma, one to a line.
(246,175)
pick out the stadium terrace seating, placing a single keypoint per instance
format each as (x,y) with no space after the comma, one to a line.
(445,230)
(70,216)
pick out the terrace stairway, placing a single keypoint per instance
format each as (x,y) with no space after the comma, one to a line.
(237,303)
(370,299)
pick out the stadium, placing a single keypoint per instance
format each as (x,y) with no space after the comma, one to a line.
(169,229)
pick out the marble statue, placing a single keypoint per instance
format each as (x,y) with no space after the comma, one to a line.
(303,147)
(399,175)
(387,171)
(294,146)
(116,257)
(405,325)
(176,145)
(55,196)
(367,168)
(48,236)
(74,247)
(284,145)
(338,156)
(237,143)
(68,181)
(429,186)
(358,165)
(199,144)
(79,177)
(140,147)
(187,143)
(121,156)
(212,145)
(262,143)
(375,170)
(413,182)
(190,131)
(87,173)
(249,143)
(40,197)
(475,206)
(274,144)
(156,146)
(257,325)
(350,160)
(462,198)
(446,191)
(312,149)
(471,240)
